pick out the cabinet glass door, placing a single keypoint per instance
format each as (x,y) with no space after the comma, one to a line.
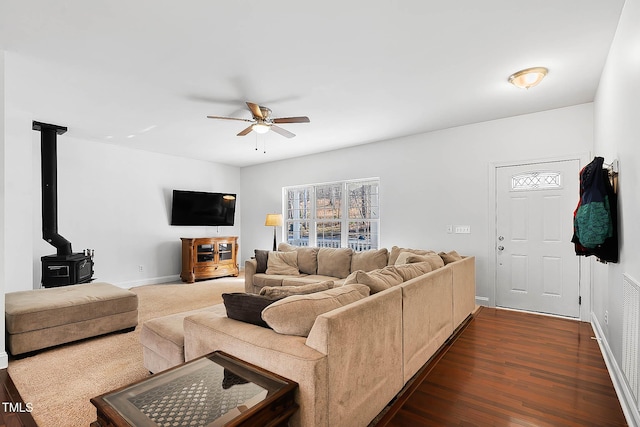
(205,252)
(225,251)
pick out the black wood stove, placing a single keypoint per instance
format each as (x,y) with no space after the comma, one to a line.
(65,267)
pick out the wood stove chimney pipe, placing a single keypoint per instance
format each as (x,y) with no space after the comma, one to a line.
(49,169)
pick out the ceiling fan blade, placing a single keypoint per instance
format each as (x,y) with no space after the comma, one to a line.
(229,118)
(303,119)
(255,110)
(246,131)
(282,131)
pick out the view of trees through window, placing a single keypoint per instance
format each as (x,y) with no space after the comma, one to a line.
(339,214)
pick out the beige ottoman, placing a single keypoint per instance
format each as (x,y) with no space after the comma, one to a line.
(44,318)
(162,339)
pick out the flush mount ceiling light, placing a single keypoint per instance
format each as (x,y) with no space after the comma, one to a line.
(528,78)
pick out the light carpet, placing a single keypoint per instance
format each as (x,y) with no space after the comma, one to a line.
(60,382)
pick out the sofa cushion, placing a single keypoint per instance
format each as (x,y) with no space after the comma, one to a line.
(411,271)
(369,260)
(308,279)
(395,252)
(433,259)
(162,338)
(284,263)
(261,260)
(296,314)
(246,307)
(335,262)
(376,280)
(307,257)
(261,279)
(308,260)
(287,291)
(449,257)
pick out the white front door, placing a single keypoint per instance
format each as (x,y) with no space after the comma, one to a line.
(537,269)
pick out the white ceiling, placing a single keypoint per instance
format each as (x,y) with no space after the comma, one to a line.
(146,73)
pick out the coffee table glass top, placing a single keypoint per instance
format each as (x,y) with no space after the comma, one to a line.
(209,391)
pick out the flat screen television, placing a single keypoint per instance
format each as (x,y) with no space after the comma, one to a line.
(202,208)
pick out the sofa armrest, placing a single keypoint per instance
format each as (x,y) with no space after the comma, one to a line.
(250,267)
(285,355)
(464,288)
(427,317)
(363,344)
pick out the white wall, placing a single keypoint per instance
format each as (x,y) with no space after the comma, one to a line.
(427,181)
(617,136)
(4,360)
(111,199)
(117,201)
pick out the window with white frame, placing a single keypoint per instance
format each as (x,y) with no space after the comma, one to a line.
(333,215)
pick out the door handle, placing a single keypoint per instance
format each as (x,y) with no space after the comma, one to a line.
(500,248)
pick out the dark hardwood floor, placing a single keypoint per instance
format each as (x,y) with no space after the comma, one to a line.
(510,368)
(505,368)
(14,411)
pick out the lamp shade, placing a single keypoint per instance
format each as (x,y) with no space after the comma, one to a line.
(529,77)
(274,220)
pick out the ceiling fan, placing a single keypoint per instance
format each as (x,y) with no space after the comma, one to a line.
(262,121)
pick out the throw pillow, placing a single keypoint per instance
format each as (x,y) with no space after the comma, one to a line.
(246,307)
(369,260)
(376,280)
(307,257)
(295,315)
(411,271)
(450,257)
(433,259)
(287,291)
(261,260)
(402,258)
(283,263)
(334,262)
(286,247)
(395,252)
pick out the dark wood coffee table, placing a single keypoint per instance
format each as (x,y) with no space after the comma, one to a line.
(214,390)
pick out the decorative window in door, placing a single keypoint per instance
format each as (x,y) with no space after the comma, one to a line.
(536,181)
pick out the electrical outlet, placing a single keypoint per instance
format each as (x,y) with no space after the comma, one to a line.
(449,229)
(463,229)
(606,317)
(140,268)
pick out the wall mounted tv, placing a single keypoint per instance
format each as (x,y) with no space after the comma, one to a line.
(201,208)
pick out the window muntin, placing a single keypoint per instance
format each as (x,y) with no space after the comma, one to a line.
(338,214)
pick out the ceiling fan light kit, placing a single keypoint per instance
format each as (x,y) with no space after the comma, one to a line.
(263,123)
(528,77)
(260,127)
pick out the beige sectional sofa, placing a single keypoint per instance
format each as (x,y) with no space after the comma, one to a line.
(357,357)
(311,265)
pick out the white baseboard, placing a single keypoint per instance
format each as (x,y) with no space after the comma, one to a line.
(625,396)
(148,281)
(4,360)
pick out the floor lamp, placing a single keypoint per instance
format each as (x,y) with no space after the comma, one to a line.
(274,220)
